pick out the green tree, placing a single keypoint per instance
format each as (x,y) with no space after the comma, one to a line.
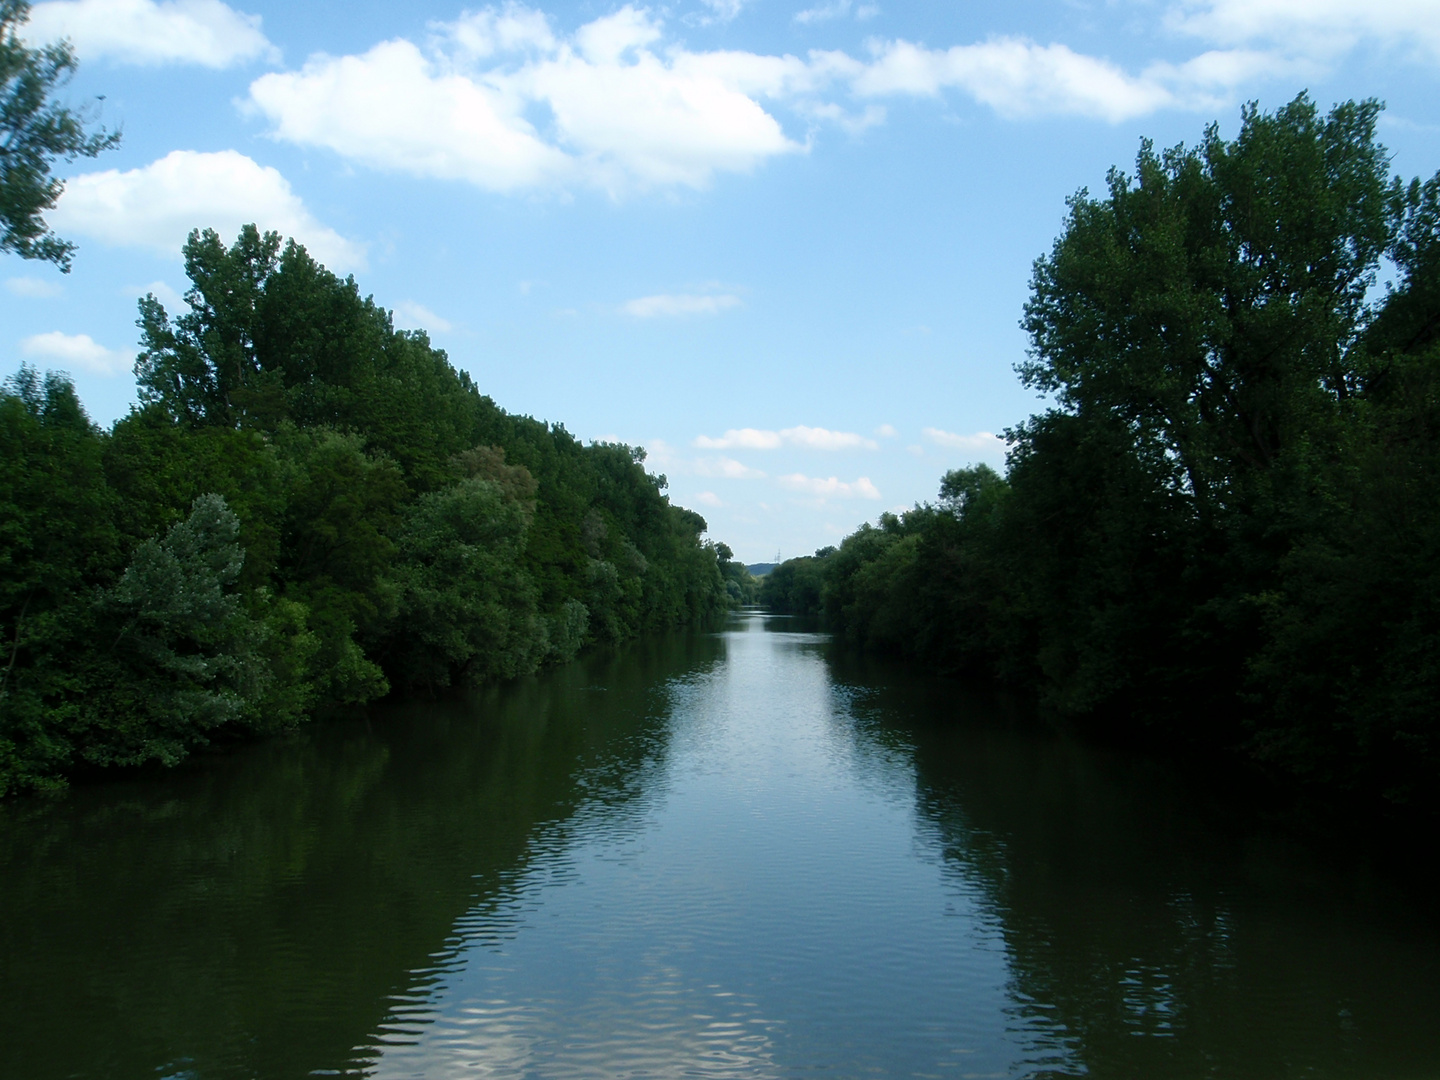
(34,131)
(1225,531)
(1211,301)
(466,606)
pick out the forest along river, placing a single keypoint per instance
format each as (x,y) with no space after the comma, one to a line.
(724,854)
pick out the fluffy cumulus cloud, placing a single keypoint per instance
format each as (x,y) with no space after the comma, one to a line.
(809,438)
(204,32)
(620,112)
(503,100)
(830,487)
(650,307)
(75,351)
(156,206)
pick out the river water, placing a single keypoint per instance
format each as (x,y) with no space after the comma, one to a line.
(724,854)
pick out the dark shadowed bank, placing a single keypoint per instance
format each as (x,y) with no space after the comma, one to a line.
(308,508)
(1225,532)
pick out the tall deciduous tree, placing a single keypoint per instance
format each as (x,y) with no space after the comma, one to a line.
(35,129)
(1211,301)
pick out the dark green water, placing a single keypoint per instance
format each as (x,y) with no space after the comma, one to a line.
(712,855)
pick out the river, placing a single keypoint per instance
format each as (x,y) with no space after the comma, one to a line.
(728,854)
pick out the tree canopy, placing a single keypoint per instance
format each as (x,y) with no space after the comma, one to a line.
(308,509)
(1226,530)
(35,130)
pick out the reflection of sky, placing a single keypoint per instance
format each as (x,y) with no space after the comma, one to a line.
(767,910)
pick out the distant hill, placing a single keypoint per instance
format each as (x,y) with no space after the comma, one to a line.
(760,569)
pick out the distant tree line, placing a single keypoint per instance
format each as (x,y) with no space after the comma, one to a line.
(1225,532)
(307,508)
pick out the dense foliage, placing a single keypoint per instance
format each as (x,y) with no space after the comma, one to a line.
(35,130)
(1226,530)
(308,508)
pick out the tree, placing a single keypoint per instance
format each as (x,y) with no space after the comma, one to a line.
(1210,303)
(34,131)
(1202,328)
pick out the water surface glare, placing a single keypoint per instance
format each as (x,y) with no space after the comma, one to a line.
(711,855)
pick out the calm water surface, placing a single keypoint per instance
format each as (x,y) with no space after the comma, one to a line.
(714,855)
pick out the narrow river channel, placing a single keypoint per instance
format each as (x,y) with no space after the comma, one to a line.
(724,854)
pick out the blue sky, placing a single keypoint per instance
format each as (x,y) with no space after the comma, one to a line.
(782,245)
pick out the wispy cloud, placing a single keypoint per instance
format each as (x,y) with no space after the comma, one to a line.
(203,32)
(415,316)
(836,9)
(1018,77)
(709,498)
(809,438)
(830,487)
(823,12)
(650,307)
(982,442)
(33,288)
(1316,28)
(722,10)
(724,468)
(76,350)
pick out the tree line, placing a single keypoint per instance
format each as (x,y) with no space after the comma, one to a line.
(1224,531)
(307,508)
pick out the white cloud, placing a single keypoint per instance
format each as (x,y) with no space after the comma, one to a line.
(831,487)
(479,35)
(802,436)
(982,442)
(741,439)
(415,316)
(824,439)
(725,468)
(621,114)
(76,350)
(886,431)
(501,100)
(823,12)
(1017,77)
(847,120)
(836,9)
(392,108)
(1314,28)
(34,288)
(708,498)
(724,10)
(158,205)
(649,307)
(204,32)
